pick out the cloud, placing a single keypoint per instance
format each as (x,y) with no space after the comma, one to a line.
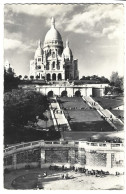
(19,46)
(47,10)
(9,21)
(113,32)
(98,21)
(15,41)
(11,44)
(13,35)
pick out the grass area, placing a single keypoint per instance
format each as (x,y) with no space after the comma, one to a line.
(77,181)
(119,114)
(73,102)
(91,126)
(92,136)
(83,116)
(26,179)
(109,102)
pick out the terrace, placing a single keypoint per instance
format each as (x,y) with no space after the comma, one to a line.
(72,103)
(119,114)
(81,117)
(109,102)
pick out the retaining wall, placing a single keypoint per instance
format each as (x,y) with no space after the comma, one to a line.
(92,155)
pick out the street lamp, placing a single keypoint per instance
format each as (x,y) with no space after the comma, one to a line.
(46,119)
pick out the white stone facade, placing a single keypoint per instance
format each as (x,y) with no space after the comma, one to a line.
(53,62)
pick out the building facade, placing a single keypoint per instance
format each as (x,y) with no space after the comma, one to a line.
(8,68)
(53,61)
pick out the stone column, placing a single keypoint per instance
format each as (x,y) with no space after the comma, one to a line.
(109,161)
(14,162)
(42,157)
(71,156)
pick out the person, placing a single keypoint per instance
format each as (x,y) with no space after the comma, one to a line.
(66,176)
(45,174)
(62,176)
(50,167)
(62,167)
(73,168)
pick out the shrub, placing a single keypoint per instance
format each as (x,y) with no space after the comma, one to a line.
(6,171)
(27,167)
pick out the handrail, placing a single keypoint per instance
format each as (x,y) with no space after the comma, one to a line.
(75,143)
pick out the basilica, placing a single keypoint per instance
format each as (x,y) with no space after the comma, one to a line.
(52,61)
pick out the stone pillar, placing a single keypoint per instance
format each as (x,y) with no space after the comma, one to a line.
(71,156)
(63,76)
(42,157)
(109,161)
(14,161)
(81,157)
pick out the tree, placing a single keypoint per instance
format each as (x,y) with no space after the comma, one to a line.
(114,78)
(117,82)
(20,76)
(31,77)
(37,77)
(16,116)
(10,81)
(25,76)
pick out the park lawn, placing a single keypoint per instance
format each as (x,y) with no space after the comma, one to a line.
(89,136)
(73,102)
(91,126)
(119,114)
(109,102)
(83,115)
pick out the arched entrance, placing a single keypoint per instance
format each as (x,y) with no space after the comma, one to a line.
(48,77)
(59,76)
(50,94)
(78,93)
(64,93)
(53,76)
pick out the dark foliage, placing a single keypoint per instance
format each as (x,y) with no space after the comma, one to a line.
(10,82)
(17,115)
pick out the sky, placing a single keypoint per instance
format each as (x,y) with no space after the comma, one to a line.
(95,33)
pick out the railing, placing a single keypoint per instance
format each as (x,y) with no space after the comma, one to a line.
(77,144)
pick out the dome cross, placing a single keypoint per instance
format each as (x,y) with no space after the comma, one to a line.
(53,22)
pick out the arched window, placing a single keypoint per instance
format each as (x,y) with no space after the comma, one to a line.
(77,93)
(47,66)
(59,76)
(53,55)
(58,65)
(64,93)
(48,77)
(50,94)
(53,76)
(53,64)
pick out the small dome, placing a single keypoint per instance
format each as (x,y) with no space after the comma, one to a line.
(67,51)
(52,34)
(38,51)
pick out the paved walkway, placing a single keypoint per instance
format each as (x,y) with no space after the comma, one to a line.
(59,117)
(77,181)
(110,118)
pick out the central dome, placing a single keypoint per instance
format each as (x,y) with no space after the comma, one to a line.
(52,34)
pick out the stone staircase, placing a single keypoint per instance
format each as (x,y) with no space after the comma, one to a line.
(109,117)
(58,116)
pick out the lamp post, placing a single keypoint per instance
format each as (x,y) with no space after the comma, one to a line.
(46,119)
